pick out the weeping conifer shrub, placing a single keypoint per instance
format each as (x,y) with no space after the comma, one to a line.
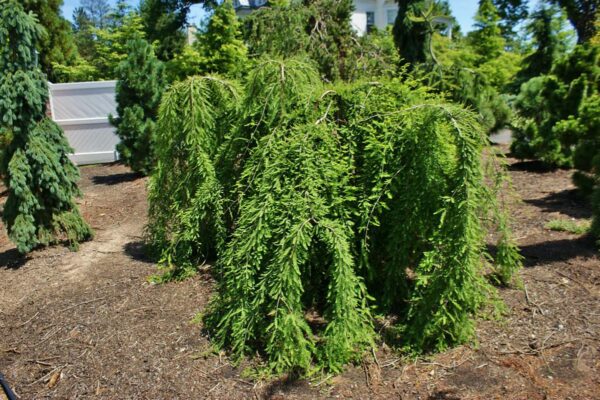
(291,252)
(186,225)
(41,180)
(422,205)
(367,189)
(324,203)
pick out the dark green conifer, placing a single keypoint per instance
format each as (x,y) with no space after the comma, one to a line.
(412,36)
(139,89)
(41,180)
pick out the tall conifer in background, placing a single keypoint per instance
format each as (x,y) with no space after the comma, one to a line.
(511,12)
(164,21)
(412,37)
(41,180)
(487,38)
(57,46)
(139,89)
(222,44)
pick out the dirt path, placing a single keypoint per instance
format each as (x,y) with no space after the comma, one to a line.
(89,325)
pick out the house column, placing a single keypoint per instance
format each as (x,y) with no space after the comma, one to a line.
(380,15)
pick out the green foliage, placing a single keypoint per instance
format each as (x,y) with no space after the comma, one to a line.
(217,50)
(163,22)
(138,93)
(314,199)
(221,45)
(276,31)
(189,62)
(547,26)
(101,49)
(487,38)
(423,200)
(319,29)
(478,87)
(377,56)
(412,34)
(110,46)
(511,13)
(292,245)
(186,223)
(40,178)
(565,225)
(583,14)
(562,111)
(57,46)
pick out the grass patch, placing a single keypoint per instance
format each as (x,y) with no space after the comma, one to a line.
(571,226)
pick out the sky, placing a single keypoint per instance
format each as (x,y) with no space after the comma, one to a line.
(463,10)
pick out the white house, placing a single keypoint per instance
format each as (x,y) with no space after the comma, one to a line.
(367,13)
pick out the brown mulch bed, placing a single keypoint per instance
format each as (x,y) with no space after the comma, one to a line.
(89,324)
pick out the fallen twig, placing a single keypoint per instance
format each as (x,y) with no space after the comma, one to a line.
(28,321)
(82,303)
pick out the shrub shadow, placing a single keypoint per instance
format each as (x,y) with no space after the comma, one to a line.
(137,251)
(533,166)
(557,251)
(12,259)
(445,395)
(567,202)
(285,386)
(116,179)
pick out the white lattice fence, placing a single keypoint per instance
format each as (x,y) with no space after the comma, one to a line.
(82,110)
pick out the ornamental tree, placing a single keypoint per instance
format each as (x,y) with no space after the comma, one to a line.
(139,89)
(41,180)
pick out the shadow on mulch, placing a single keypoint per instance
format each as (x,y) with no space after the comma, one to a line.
(557,251)
(444,395)
(286,385)
(533,166)
(116,179)
(568,202)
(137,251)
(12,259)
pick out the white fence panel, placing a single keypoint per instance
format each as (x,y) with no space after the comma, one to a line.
(82,110)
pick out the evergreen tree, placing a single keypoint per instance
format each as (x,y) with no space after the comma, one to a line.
(331,41)
(84,33)
(584,16)
(412,34)
(320,29)
(487,38)
(98,12)
(512,13)
(221,45)
(139,89)
(57,46)
(164,21)
(110,45)
(121,10)
(41,180)
(545,27)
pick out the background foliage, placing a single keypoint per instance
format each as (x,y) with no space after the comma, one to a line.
(139,89)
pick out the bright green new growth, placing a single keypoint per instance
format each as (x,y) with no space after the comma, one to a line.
(140,86)
(186,225)
(321,201)
(40,178)
(565,225)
